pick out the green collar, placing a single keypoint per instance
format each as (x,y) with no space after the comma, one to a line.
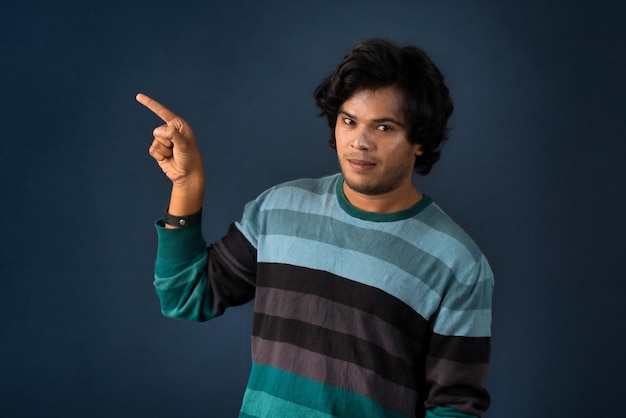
(375,216)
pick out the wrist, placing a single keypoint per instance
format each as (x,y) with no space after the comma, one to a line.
(185,221)
(186,197)
(190,183)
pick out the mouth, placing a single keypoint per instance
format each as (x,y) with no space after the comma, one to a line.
(361,165)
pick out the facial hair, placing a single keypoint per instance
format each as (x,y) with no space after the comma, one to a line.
(381,184)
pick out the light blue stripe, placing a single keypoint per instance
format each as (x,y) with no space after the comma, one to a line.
(416,260)
(469,323)
(362,268)
(379,244)
(440,237)
(390,251)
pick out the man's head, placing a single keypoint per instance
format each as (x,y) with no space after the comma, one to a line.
(375,64)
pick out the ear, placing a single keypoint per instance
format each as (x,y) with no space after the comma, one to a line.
(418,149)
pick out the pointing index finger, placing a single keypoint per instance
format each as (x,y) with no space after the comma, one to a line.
(157,108)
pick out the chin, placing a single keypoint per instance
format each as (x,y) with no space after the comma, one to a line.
(366,188)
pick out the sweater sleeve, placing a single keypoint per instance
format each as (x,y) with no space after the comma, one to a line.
(180,275)
(458,355)
(195,282)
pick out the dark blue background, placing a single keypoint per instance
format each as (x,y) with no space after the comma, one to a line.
(533,171)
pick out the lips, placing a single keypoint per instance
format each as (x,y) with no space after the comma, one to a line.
(361,165)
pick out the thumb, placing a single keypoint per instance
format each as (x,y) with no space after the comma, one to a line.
(169,135)
(177,124)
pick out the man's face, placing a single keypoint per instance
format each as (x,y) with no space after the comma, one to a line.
(375,155)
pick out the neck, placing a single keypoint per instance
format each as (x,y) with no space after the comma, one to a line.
(389,202)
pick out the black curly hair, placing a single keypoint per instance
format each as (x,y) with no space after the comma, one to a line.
(377,63)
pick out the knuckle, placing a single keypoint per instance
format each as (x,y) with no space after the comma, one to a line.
(160,141)
(178,124)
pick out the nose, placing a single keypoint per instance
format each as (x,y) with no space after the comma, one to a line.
(361,140)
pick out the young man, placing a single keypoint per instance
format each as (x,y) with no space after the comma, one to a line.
(369,301)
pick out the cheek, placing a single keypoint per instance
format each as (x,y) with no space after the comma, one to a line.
(400,153)
(399,146)
(340,137)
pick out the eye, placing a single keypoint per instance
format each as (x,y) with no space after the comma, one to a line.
(384,128)
(348,121)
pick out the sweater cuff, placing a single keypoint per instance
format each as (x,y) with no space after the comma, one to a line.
(177,244)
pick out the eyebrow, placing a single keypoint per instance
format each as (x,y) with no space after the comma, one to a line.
(381,120)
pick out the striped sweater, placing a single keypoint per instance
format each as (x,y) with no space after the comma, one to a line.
(356,314)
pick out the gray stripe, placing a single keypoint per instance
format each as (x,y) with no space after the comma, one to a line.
(337,317)
(428,262)
(373,272)
(335,372)
(473,402)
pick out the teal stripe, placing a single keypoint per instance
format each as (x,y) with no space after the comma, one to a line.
(446,412)
(273,392)
(261,404)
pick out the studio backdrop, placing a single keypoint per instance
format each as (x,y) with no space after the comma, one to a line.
(533,171)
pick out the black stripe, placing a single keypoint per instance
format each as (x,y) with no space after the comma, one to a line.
(338,317)
(461,349)
(336,345)
(232,270)
(347,292)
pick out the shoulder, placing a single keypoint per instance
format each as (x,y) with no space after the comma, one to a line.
(435,218)
(300,190)
(453,245)
(315,185)
(297,196)
(287,204)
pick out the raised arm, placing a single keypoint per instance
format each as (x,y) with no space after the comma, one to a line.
(194,282)
(175,150)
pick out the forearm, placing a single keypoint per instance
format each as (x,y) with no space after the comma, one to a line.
(186,198)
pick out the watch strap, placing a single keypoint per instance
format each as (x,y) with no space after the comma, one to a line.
(182,221)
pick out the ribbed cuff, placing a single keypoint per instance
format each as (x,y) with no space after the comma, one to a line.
(179,243)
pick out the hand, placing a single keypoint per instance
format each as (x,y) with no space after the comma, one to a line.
(174,145)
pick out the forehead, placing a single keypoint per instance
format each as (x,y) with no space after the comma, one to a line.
(386,102)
